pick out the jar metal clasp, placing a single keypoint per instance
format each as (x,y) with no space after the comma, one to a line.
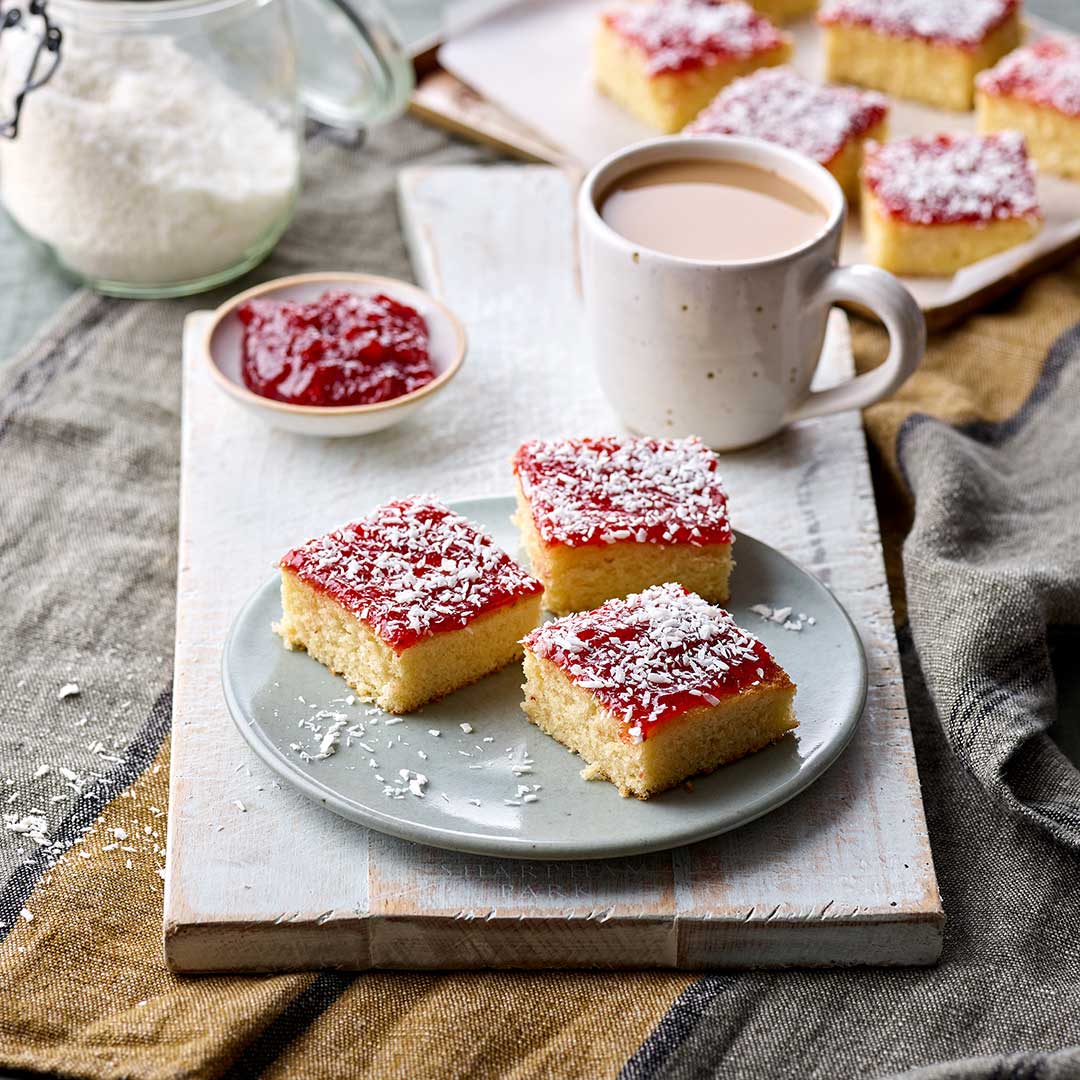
(46,59)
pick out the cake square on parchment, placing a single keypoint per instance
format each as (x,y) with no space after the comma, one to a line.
(1036,91)
(925,50)
(934,204)
(665,61)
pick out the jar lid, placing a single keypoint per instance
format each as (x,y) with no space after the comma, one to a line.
(351,67)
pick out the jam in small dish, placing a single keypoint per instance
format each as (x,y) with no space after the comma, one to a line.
(338,350)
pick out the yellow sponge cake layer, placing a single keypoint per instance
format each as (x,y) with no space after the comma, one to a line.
(785,10)
(935,250)
(400,681)
(578,578)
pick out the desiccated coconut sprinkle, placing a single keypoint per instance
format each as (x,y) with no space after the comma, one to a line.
(956,22)
(611,490)
(410,569)
(940,179)
(1046,72)
(655,655)
(679,35)
(779,105)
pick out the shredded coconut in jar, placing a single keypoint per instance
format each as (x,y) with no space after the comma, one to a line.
(138,165)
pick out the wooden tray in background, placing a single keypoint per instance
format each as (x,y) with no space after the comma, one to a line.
(444,99)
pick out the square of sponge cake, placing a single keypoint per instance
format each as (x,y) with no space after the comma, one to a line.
(1036,91)
(654,689)
(829,124)
(407,604)
(934,204)
(665,61)
(606,517)
(924,50)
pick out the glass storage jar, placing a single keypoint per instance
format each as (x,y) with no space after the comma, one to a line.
(154,145)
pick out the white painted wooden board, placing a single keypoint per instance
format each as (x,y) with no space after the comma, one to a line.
(841,875)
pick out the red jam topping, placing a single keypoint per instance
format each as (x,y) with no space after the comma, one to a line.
(1046,72)
(964,24)
(945,179)
(777,104)
(411,569)
(342,349)
(655,655)
(682,35)
(612,490)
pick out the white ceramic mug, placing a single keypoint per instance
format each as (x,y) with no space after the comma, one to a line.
(727,350)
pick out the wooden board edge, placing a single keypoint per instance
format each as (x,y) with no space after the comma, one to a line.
(471,943)
(194,325)
(249,948)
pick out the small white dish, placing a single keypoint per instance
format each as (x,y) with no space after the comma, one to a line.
(222,351)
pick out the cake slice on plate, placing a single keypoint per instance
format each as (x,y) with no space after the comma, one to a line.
(925,50)
(605,517)
(407,604)
(665,61)
(934,204)
(1036,91)
(654,689)
(829,124)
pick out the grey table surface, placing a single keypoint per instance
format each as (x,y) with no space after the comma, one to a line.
(31,289)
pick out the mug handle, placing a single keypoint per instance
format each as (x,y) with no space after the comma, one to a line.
(895,306)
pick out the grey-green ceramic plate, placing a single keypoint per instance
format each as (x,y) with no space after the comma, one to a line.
(471,801)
